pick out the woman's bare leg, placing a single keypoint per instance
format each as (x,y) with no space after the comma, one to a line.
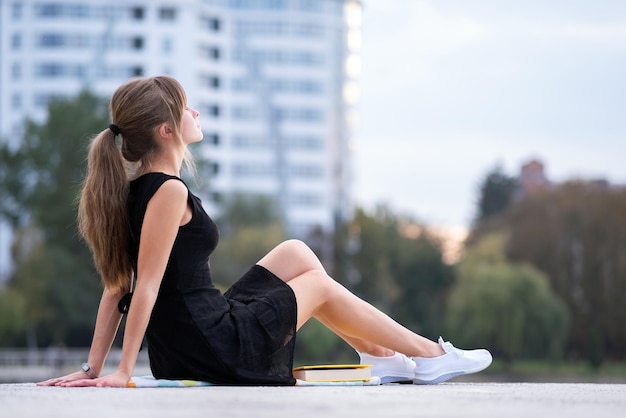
(363,326)
(362,346)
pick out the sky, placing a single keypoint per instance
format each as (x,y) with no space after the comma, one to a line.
(449,89)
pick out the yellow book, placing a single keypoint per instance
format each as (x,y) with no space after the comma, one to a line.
(334,372)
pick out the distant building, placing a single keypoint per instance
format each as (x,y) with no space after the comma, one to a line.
(533,177)
(275,82)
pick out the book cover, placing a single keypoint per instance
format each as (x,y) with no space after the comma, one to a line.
(333,372)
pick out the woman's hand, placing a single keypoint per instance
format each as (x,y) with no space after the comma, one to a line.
(115,380)
(72,377)
(80,379)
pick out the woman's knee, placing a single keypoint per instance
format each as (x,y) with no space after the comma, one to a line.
(313,289)
(299,253)
(290,259)
(295,246)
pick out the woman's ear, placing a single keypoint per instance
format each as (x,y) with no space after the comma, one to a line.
(165,131)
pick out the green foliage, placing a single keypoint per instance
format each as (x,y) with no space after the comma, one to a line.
(12,318)
(425,281)
(576,233)
(496,193)
(316,344)
(249,229)
(241,249)
(41,180)
(508,307)
(401,270)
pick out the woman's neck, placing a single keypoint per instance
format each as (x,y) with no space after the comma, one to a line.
(162,165)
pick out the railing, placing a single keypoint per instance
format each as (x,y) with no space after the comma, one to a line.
(29,365)
(57,357)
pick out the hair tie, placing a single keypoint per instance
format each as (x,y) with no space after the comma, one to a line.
(114,129)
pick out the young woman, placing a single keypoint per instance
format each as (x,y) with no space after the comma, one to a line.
(153,229)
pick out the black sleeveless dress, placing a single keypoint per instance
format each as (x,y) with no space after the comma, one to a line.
(244,336)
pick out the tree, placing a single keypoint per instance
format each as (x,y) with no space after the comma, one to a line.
(576,233)
(401,270)
(249,228)
(496,193)
(41,179)
(509,307)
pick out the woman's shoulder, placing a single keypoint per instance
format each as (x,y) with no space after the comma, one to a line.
(153,181)
(147,185)
(154,177)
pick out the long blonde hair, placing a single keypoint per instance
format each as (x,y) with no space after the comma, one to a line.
(137,108)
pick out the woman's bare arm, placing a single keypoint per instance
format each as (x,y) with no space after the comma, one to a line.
(107,323)
(166,211)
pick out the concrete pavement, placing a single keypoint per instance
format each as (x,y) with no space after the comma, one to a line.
(533,400)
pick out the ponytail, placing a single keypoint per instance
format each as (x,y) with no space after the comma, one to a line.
(137,108)
(103,213)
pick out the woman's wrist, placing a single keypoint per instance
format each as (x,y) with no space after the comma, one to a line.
(85,367)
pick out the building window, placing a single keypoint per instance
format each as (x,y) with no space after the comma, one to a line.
(16,41)
(259,4)
(212,138)
(244,112)
(55,70)
(274,56)
(212,110)
(301,114)
(17,10)
(136,71)
(214,168)
(212,82)
(311,5)
(137,43)
(250,141)
(305,142)
(213,24)
(57,9)
(16,71)
(167,14)
(210,52)
(308,86)
(306,171)
(50,40)
(253,170)
(78,10)
(16,100)
(49,70)
(138,13)
(48,10)
(309,30)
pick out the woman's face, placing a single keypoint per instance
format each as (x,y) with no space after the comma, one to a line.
(190,126)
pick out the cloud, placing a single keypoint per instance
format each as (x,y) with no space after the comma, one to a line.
(449,88)
(407,34)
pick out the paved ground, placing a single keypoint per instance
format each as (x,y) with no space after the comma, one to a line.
(533,400)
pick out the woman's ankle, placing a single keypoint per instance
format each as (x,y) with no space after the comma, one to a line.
(380,352)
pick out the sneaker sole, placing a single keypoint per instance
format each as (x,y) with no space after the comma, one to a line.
(448,376)
(439,379)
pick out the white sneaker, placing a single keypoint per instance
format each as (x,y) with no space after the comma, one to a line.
(393,369)
(456,362)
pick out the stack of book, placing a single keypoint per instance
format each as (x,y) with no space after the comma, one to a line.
(334,373)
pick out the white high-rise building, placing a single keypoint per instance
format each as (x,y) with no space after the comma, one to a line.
(275,82)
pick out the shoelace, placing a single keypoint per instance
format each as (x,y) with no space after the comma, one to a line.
(449,348)
(407,362)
